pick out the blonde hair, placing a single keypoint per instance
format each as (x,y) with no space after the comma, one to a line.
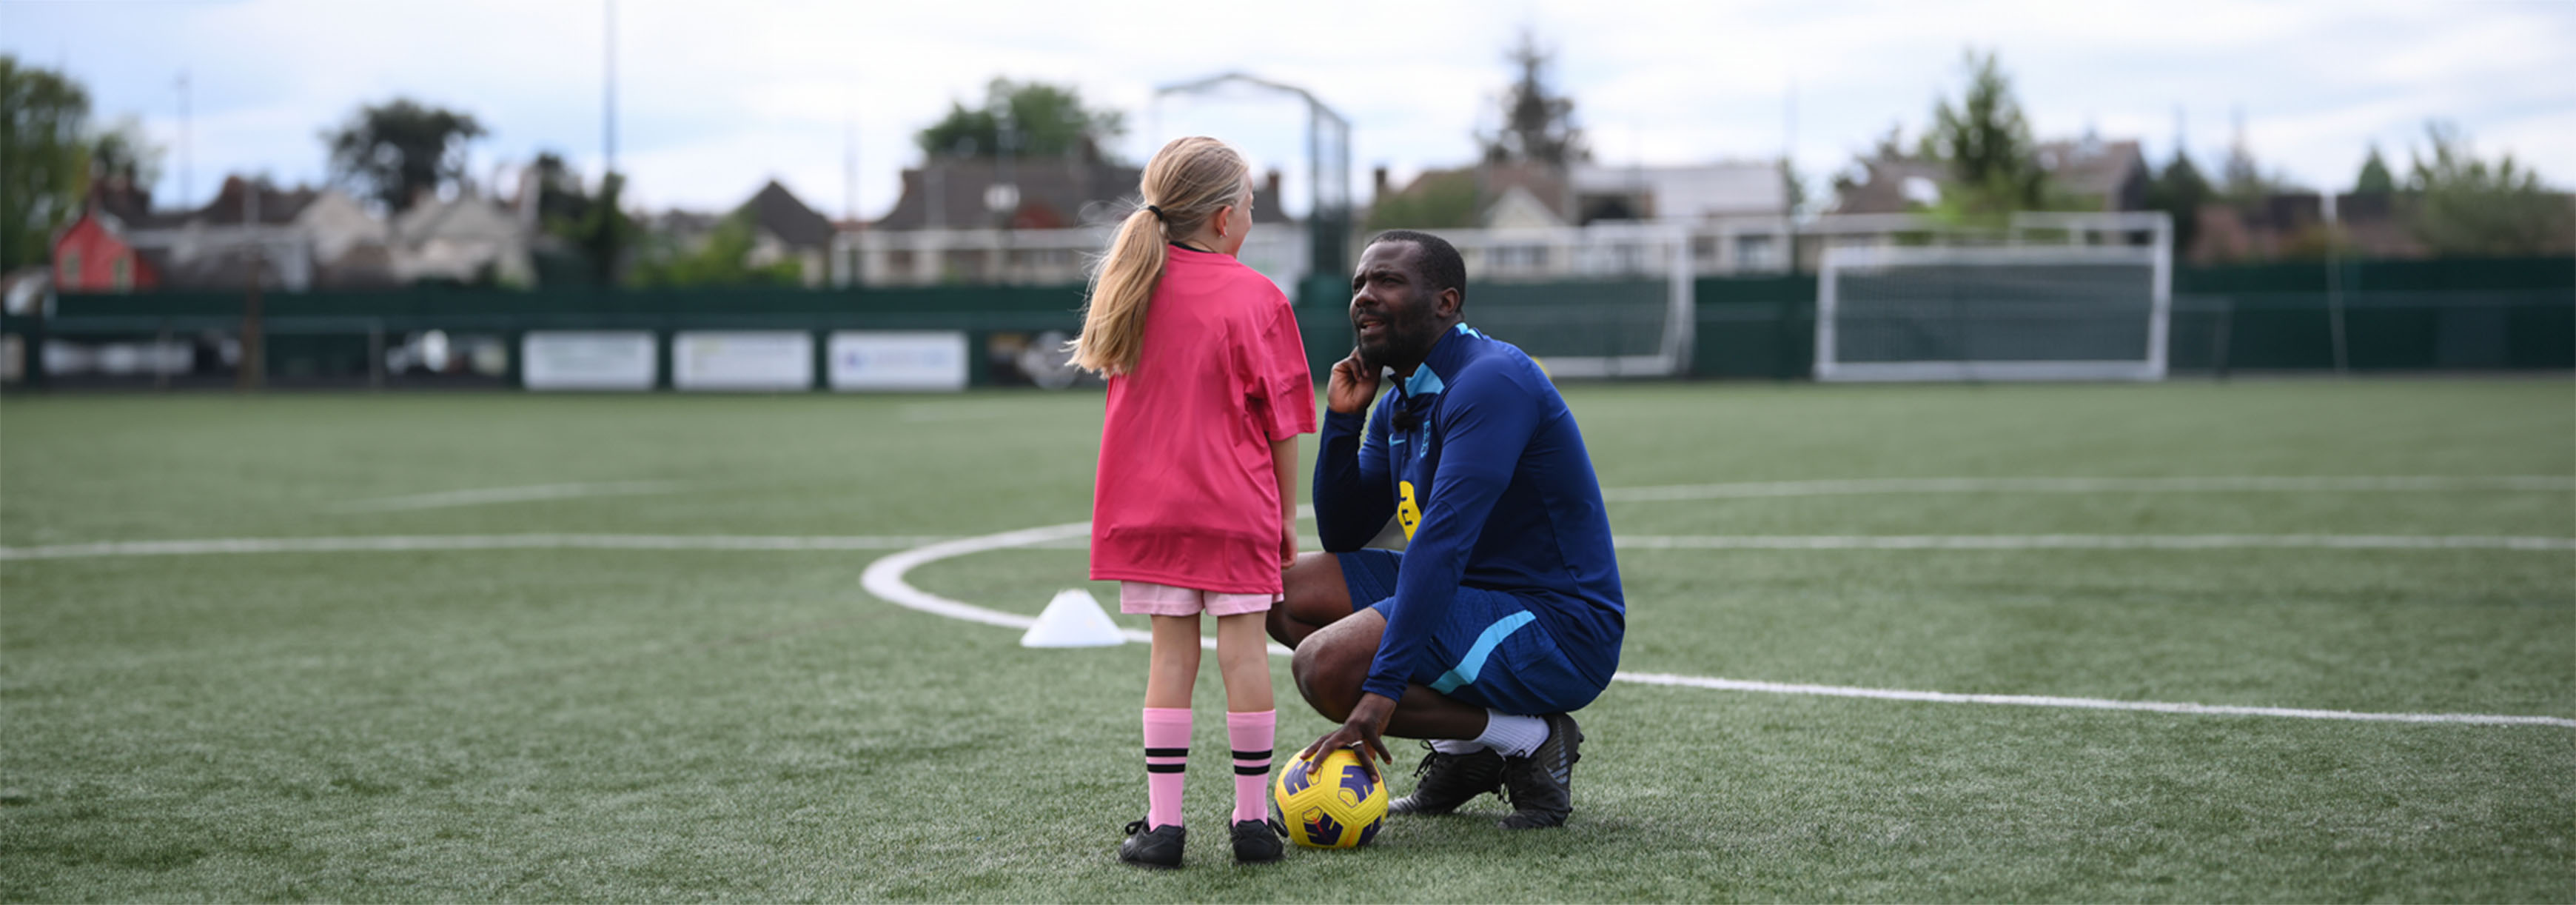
(1187,181)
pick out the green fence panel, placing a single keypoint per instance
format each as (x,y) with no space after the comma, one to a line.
(2516,313)
(1754,328)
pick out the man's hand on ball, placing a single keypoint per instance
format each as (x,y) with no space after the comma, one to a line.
(1362,731)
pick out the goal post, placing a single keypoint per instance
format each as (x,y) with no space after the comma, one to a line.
(1604,301)
(2012,313)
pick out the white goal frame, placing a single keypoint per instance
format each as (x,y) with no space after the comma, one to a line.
(2158,257)
(1655,251)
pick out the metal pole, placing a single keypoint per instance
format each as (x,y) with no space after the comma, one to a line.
(2226,329)
(2160,315)
(608,88)
(187,185)
(160,369)
(2334,287)
(254,347)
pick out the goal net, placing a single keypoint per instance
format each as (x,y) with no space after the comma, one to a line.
(1599,301)
(2039,312)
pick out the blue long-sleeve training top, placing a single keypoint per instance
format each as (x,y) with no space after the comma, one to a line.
(1493,489)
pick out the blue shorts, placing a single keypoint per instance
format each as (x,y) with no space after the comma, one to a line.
(1491,652)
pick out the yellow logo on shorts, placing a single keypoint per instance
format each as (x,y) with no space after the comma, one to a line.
(1408,514)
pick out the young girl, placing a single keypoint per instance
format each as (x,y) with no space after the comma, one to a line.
(1194,507)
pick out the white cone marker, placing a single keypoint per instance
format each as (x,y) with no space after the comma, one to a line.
(1073,619)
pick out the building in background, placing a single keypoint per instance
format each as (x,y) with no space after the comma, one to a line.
(469,239)
(91,255)
(2086,173)
(785,229)
(292,239)
(1028,221)
(1515,217)
(2298,225)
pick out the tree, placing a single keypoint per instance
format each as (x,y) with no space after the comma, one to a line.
(1443,199)
(560,195)
(1985,142)
(1793,186)
(1025,119)
(721,260)
(2242,180)
(2469,207)
(2374,178)
(1538,124)
(124,151)
(395,151)
(43,114)
(596,228)
(2179,191)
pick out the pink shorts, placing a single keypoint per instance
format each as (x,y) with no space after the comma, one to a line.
(1149,599)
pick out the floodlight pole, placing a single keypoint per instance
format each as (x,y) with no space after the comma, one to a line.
(1327,222)
(187,184)
(608,89)
(2334,284)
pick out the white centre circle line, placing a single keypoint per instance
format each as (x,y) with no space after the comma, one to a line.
(886,578)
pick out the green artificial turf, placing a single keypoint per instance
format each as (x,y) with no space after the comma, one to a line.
(751,725)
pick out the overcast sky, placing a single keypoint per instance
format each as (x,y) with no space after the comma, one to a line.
(713,98)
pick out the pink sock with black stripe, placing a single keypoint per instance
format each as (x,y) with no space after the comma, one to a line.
(1251,735)
(1167,760)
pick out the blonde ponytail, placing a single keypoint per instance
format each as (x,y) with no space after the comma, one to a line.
(1184,185)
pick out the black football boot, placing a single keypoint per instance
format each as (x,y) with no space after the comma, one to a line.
(1541,786)
(1158,849)
(1257,841)
(1450,780)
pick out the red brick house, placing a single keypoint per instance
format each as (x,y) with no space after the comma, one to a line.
(91,256)
(93,253)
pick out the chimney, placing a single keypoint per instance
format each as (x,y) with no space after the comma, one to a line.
(1381,186)
(1274,187)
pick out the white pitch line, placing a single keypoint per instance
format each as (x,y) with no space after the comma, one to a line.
(1080,540)
(2276,484)
(1944,697)
(2030,542)
(885,579)
(2089,542)
(489,495)
(460,542)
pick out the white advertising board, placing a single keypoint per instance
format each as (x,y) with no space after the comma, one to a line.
(911,361)
(587,360)
(753,360)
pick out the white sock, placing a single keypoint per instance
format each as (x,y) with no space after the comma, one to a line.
(1512,734)
(1456,745)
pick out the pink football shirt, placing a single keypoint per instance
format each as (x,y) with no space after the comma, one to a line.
(1185,494)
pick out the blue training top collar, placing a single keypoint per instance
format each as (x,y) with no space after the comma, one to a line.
(1426,377)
